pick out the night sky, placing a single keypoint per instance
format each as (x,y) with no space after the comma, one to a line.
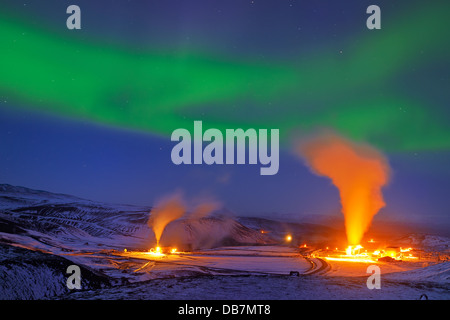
(89,112)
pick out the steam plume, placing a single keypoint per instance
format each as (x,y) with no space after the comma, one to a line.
(166,211)
(173,207)
(204,209)
(357,170)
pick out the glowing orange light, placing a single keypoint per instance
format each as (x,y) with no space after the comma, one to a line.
(353,254)
(364,260)
(353,251)
(156,252)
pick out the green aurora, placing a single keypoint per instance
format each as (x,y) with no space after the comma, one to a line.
(157,90)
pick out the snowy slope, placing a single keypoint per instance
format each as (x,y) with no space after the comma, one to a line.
(42,232)
(74,224)
(436,273)
(26,274)
(300,232)
(425,241)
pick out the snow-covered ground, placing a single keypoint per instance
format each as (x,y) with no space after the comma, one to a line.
(208,275)
(355,269)
(42,233)
(265,288)
(438,273)
(238,260)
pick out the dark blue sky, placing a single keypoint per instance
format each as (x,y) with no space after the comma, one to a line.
(115,165)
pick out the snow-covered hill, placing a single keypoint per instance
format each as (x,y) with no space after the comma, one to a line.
(27,274)
(301,232)
(425,241)
(43,232)
(71,223)
(439,273)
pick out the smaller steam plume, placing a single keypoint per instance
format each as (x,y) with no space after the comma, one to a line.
(166,210)
(204,209)
(359,172)
(173,207)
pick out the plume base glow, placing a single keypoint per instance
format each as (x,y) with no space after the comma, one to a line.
(355,254)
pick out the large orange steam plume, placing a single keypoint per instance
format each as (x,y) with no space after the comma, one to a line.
(359,172)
